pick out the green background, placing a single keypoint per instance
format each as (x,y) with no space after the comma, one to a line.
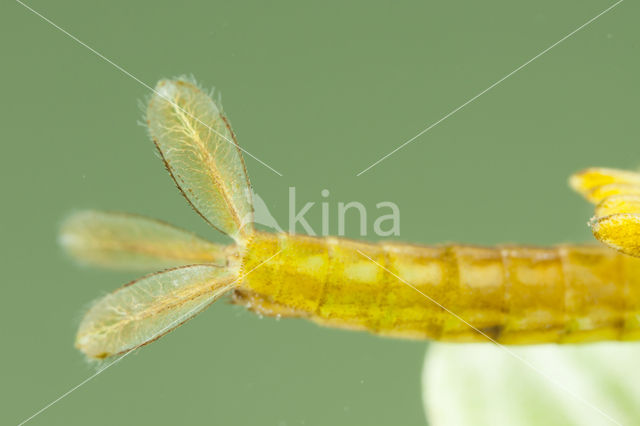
(318,91)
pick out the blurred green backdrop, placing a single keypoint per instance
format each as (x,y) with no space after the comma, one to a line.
(318,91)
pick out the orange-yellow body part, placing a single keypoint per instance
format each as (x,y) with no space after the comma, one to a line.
(616,194)
(515,295)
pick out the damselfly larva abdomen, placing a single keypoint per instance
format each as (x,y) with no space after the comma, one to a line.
(510,294)
(513,294)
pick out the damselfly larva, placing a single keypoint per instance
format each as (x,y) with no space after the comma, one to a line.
(514,295)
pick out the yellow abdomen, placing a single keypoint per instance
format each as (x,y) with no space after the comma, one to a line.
(515,295)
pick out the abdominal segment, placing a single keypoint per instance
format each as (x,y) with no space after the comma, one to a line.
(510,294)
